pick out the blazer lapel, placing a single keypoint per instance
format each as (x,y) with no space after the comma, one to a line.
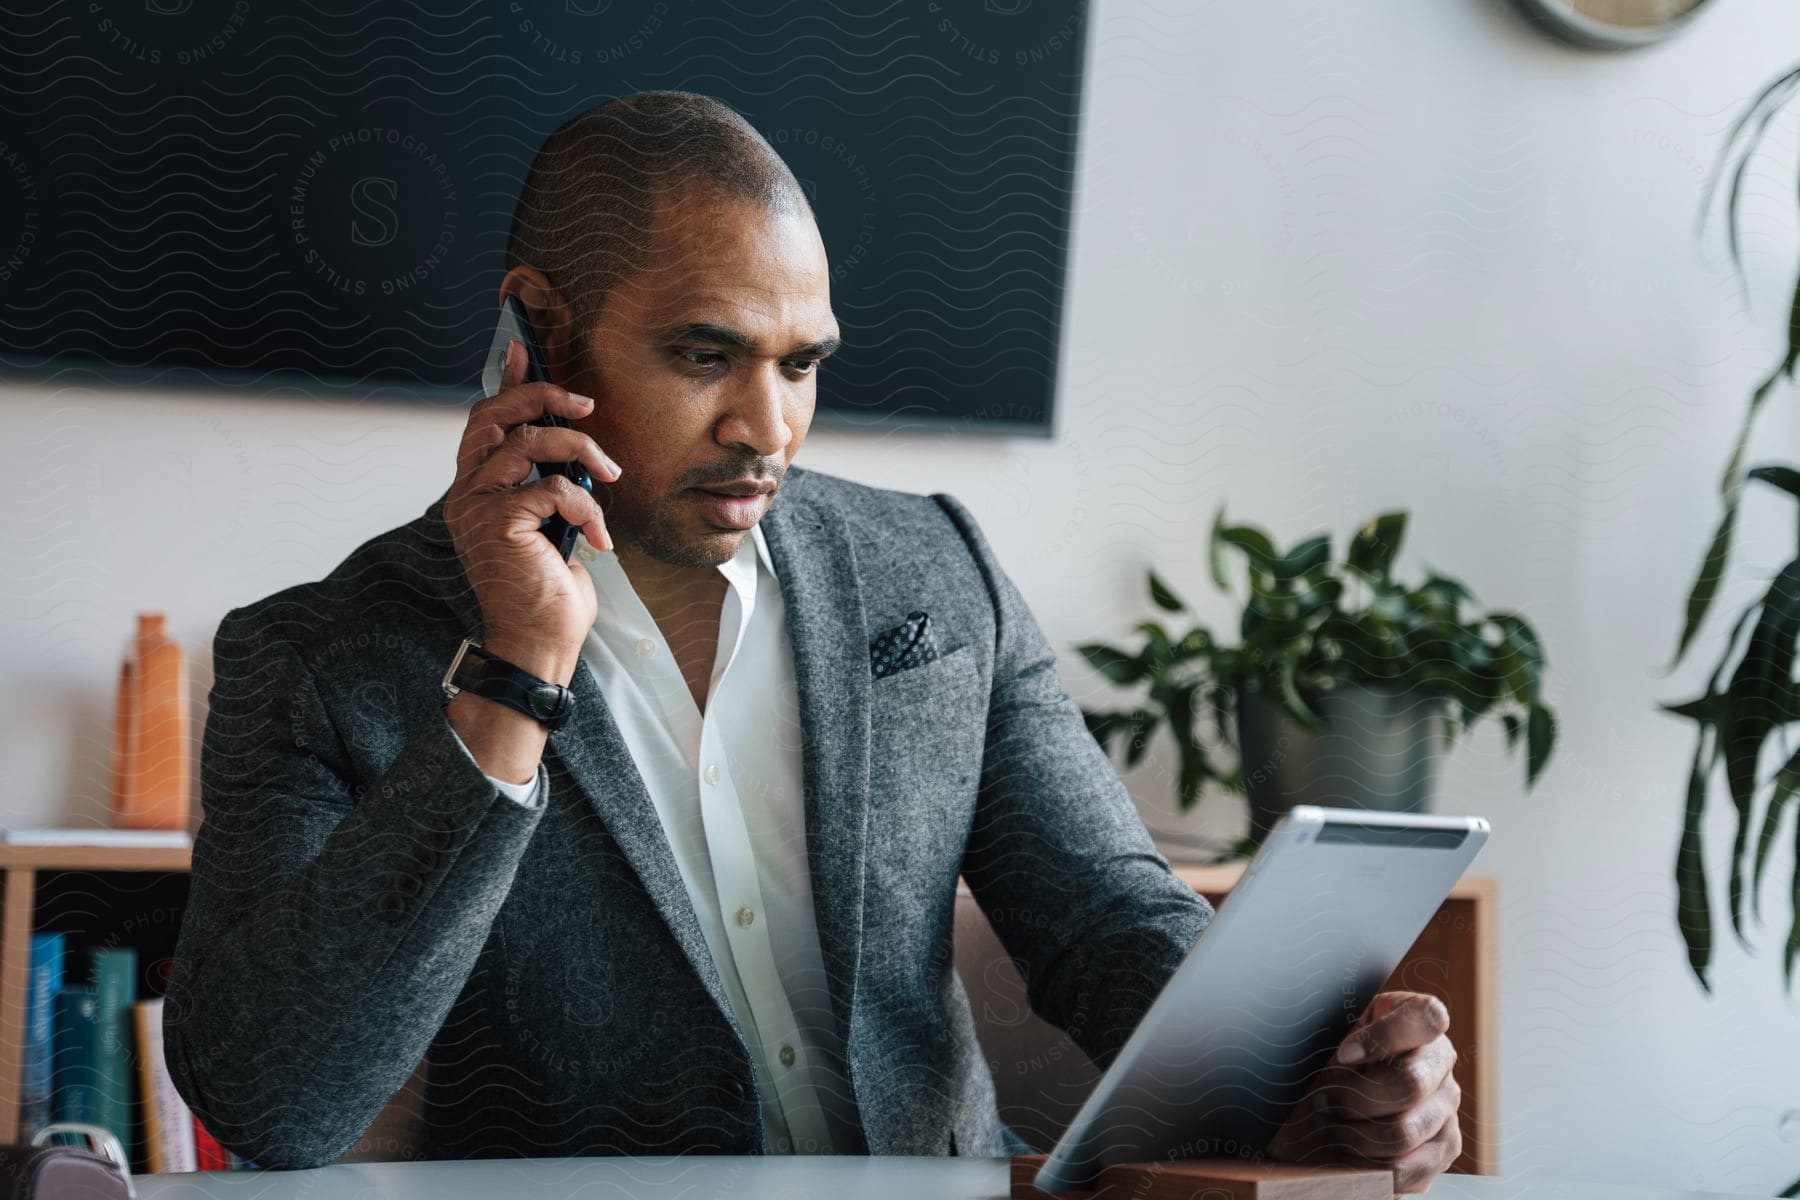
(593,751)
(821,590)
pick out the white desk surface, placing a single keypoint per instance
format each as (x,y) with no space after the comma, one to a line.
(697,1178)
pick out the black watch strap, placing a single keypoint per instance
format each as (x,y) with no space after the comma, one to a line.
(474,670)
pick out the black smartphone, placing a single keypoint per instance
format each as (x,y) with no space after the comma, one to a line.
(515,326)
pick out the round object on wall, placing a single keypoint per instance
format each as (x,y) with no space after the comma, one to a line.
(1611,24)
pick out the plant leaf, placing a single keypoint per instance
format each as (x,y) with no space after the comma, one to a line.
(1514,671)
(1320,597)
(1793,941)
(1102,725)
(1291,699)
(1708,707)
(1308,556)
(1704,709)
(1706,584)
(1693,913)
(1513,728)
(1785,478)
(1731,484)
(1442,595)
(1521,657)
(1755,705)
(1215,546)
(1158,653)
(1164,597)
(1223,702)
(1763,105)
(1793,351)
(1377,544)
(1253,542)
(1540,739)
(1196,643)
(1195,769)
(1749,152)
(1116,665)
(1143,722)
(1787,782)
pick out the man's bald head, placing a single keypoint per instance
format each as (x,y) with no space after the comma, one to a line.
(586,215)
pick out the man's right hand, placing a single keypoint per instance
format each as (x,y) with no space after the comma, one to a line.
(536,608)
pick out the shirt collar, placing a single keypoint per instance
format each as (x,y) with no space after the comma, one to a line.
(740,569)
(762,549)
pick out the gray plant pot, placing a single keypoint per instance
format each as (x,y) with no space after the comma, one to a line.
(1379,750)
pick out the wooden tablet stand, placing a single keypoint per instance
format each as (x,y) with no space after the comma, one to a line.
(1213,1179)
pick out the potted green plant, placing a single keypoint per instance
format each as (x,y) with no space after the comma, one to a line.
(1338,681)
(1752,699)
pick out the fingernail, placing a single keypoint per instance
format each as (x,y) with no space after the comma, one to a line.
(1352,1052)
(617,470)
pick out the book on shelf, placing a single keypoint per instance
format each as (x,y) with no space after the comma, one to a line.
(94,1052)
(114,973)
(169,1138)
(208,1154)
(98,836)
(44,982)
(74,1092)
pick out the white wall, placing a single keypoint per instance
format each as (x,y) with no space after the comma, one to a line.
(1330,259)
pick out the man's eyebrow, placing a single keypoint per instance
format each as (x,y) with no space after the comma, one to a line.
(706,333)
(715,335)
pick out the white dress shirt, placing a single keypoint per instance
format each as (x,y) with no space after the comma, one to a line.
(727,787)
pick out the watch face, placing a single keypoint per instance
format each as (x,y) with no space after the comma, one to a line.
(1612,23)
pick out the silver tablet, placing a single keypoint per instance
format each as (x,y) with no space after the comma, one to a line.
(1318,922)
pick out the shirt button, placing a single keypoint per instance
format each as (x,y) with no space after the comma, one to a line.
(711,774)
(787,1056)
(585,553)
(645,647)
(746,916)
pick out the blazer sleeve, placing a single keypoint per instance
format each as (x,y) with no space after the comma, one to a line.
(1094,916)
(331,921)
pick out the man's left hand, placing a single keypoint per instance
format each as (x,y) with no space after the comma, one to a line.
(1394,1106)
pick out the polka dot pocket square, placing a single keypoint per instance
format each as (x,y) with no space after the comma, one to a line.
(911,643)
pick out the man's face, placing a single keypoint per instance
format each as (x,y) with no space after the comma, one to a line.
(702,368)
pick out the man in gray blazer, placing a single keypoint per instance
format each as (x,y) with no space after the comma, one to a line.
(708,908)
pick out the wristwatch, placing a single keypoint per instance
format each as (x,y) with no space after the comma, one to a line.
(473,670)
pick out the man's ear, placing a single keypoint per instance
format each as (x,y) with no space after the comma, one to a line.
(551,317)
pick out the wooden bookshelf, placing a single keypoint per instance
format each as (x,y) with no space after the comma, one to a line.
(29,872)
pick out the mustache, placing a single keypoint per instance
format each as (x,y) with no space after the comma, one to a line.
(766,478)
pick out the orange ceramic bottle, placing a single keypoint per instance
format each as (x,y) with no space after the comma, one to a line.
(121,741)
(153,776)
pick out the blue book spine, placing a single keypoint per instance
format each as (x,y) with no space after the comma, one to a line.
(115,990)
(46,981)
(75,1092)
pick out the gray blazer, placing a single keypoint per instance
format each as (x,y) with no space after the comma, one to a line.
(363,898)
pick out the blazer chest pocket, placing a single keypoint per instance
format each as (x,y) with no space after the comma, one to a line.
(949,678)
(927,731)
(927,727)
